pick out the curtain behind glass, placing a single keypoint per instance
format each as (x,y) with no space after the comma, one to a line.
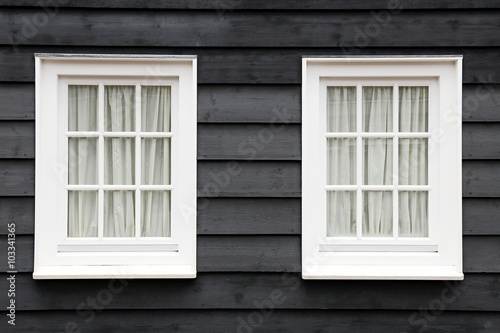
(156,108)
(413,162)
(341,161)
(82,161)
(378,161)
(119,161)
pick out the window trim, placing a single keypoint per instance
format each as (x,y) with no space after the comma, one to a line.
(327,258)
(61,257)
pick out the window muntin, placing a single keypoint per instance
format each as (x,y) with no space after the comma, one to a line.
(367,200)
(133,140)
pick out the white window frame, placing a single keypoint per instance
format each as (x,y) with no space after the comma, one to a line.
(60,257)
(437,257)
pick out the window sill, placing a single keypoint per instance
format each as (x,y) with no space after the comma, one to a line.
(122,272)
(371,272)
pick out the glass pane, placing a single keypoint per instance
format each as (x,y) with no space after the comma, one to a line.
(413,164)
(119,161)
(155,214)
(341,163)
(82,213)
(377,109)
(341,109)
(413,217)
(155,111)
(119,108)
(341,213)
(82,161)
(119,213)
(82,108)
(377,161)
(413,109)
(156,161)
(377,213)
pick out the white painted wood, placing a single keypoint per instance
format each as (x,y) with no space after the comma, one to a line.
(134,257)
(438,256)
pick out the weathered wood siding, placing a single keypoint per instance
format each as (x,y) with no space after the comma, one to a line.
(249,227)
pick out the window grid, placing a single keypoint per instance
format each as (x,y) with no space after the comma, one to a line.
(101,134)
(395,188)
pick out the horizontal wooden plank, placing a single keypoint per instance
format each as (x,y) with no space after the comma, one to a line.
(229,5)
(480,179)
(477,292)
(256,104)
(265,253)
(252,66)
(249,142)
(481,102)
(481,216)
(396,28)
(256,216)
(19,211)
(17,139)
(17,101)
(252,103)
(254,178)
(264,317)
(244,216)
(249,179)
(17,177)
(274,141)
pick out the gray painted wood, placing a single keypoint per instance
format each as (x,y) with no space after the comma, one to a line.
(243,216)
(17,210)
(249,179)
(17,139)
(281,29)
(248,142)
(268,319)
(252,103)
(252,65)
(256,216)
(254,179)
(229,5)
(481,216)
(17,101)
(477,292)
(269,253)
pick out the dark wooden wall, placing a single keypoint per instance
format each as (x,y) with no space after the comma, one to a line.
(249,230)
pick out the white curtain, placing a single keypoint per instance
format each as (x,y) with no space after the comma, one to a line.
(377,156)
(413,117)
(155,213)
(82,161)
(341,166)
(119,161)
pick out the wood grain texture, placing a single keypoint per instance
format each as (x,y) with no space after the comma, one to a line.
(269,253)
(449,28)
(481,102)
(268,319)
(254,179)
(249,179)
(248,142)
(477,292)
(244,216)
(230,5)
(256,216)
(17,101)
(252,65)
(481,216)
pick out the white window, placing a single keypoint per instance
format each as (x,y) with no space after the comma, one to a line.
(115,166)
(381,168)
